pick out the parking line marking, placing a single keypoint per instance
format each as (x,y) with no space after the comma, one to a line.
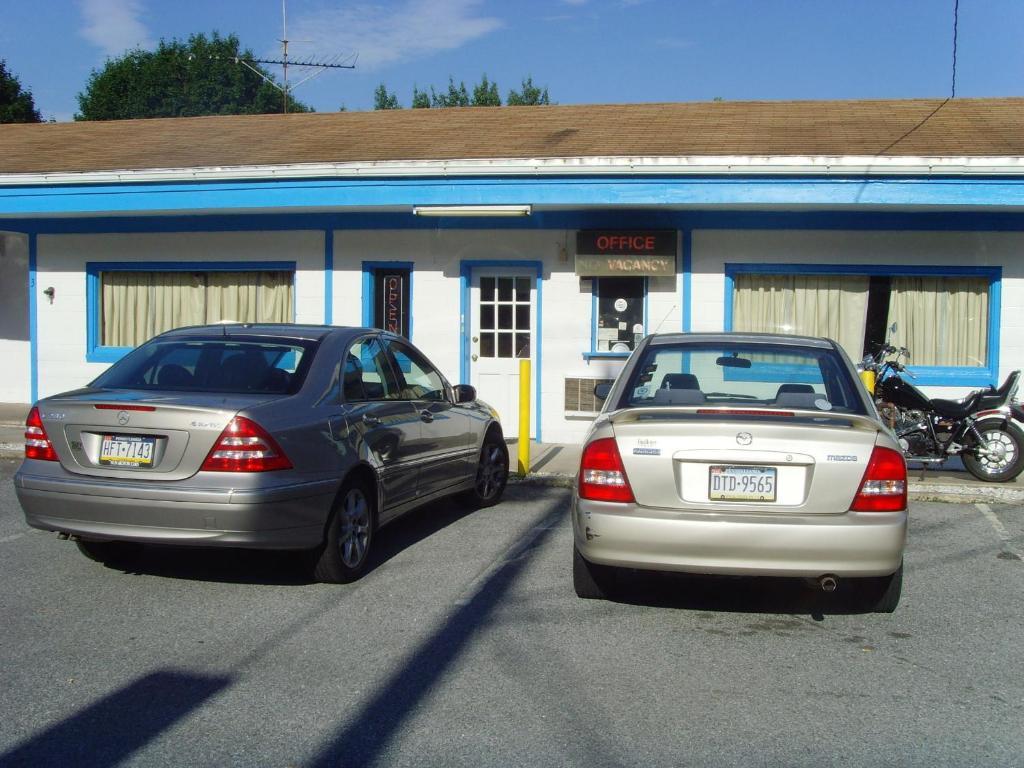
(6,539)
(1000,529)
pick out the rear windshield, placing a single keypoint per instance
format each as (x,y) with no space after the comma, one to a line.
(258,366)
(749,376)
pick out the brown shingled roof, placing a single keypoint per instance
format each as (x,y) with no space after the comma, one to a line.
(962,127)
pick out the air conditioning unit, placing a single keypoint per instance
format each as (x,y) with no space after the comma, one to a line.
(580,399)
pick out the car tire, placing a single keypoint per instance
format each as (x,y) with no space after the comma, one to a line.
(1010,440)
(344,555)
(590,580)
(113,553)
(491,472)
(882,594)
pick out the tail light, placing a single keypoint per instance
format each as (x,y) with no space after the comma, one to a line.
(37,444)
(602,476)
(244,446)
(884,487)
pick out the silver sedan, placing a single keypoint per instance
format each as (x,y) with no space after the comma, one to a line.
(262,436)
(745,454)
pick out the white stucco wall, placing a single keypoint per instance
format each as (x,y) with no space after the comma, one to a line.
(15,384)
(712,249)
(61,261)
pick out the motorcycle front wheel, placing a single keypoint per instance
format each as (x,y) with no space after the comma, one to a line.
(999,456)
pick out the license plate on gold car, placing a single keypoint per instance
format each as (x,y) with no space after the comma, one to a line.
(726,483)
(127,451)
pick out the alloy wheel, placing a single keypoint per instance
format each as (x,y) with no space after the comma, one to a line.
(491,472)
(354,535)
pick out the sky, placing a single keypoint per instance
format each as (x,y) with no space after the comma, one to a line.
(583,51)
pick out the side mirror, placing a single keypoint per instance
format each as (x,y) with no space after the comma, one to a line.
(602,390)
(464,393)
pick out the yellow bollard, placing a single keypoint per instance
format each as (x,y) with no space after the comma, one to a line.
(524,417)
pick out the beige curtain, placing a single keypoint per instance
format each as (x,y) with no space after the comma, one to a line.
(941,320)
(139,305)
(834,306)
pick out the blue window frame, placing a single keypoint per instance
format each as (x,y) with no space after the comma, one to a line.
(616,301)
(937,375)
(95,352)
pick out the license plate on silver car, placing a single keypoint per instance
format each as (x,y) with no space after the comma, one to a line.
(127,451)
(727,483)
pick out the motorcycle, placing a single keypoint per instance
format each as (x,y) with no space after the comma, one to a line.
(980,428)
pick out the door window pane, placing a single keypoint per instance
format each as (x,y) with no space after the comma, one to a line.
(365,373)
(419,379)
(487,289)
(486,316)
(505,308)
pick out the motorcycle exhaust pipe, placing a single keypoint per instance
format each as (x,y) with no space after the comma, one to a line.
(828,583)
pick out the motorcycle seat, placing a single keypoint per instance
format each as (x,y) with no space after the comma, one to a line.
(954,409)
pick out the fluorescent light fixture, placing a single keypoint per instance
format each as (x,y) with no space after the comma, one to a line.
(471,210)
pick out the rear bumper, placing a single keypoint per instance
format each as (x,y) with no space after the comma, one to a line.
(284,517)
(852,544)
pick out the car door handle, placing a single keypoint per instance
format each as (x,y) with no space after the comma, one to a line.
(371,421)
(426,416)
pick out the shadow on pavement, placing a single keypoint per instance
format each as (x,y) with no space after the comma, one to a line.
(368,734)
(732,594)
(106,732)
(285,568)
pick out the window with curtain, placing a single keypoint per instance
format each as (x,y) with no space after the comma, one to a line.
(138,305)
(942,320)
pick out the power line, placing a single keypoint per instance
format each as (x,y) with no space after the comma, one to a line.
(952,92)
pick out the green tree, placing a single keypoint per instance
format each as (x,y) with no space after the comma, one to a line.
(456,97)
(420,99)
(382,99)
(16,104)
(485,94)
(529,96)
(202,76)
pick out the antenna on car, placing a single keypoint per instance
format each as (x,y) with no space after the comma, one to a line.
(671,310)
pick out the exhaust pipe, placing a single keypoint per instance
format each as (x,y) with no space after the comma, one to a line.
(828,583)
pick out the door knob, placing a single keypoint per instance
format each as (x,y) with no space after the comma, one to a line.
(475,358)
(476,339)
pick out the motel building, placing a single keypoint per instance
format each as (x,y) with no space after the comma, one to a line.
(560,234)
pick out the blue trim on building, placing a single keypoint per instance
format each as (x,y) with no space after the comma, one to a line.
(33,317)
(602,218)
(369,271)
(295,194)
(687,269)
(94,351)
(328,277)
(947,376)
(465,274)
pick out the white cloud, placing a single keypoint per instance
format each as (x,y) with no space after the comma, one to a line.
(114,26)
(384,34)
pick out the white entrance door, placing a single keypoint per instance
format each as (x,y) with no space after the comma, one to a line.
(503,321)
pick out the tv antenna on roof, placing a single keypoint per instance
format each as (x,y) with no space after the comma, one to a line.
(318,67)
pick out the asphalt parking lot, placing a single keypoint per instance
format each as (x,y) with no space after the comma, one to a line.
(465,646)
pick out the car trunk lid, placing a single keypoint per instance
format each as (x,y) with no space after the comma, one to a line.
(729,460)
(142,435)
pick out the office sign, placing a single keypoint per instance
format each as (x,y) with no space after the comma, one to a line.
(605,253)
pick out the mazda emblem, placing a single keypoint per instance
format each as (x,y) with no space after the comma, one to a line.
(123,417)
(744,438)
